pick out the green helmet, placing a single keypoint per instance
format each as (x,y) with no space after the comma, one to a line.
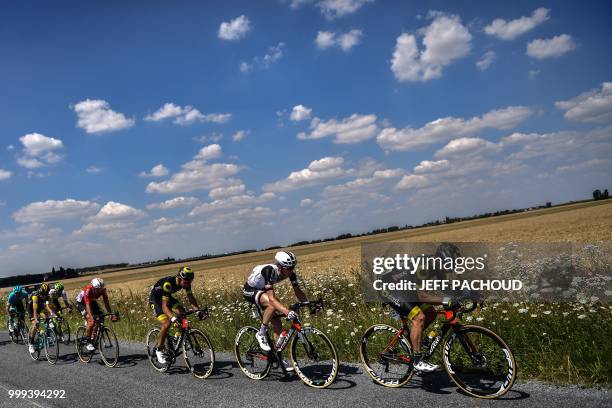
(59,287)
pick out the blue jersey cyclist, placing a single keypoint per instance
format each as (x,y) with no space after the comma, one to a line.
(15,305)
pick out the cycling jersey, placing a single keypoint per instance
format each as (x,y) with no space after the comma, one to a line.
(37,302)
(55,296)
(89,294)
(264,276)
(16,298)
(164,288)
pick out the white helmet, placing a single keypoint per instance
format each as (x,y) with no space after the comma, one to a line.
(97,283)
(285,259)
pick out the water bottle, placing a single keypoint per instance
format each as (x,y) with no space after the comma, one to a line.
(281,339)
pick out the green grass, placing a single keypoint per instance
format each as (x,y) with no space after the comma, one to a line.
(554,342)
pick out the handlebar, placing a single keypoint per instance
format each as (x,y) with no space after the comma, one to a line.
(316,304)
(457,312)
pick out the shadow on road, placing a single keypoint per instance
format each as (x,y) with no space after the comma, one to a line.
(130,360)
(69,358)
(222,370)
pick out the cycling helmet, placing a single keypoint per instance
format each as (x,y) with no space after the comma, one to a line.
(97,283)
(59,287)
(17,289)
(285,259)
(44,288)
(185,273)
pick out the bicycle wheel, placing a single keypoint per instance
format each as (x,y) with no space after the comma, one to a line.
(385,356)
(252,360)
(479,362)
(108,346)
(14,335)
(199,354)
(51,346)
(314,358)
(80,342)
(38,345)
(151,342)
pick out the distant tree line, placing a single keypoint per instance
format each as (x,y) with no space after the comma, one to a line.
(64,273)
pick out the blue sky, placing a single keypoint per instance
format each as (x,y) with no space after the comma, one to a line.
(138,130)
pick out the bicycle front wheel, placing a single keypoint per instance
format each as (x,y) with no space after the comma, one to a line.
(80,342)
(64,327)
(108,346)
(51,346)
(479,362)
(151,343)
(199,354)
(386,356)
(252,360)
(314,358)
(38,345)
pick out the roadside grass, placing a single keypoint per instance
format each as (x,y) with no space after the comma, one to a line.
(563,343)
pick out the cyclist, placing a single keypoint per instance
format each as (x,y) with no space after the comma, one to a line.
(56,293)
(166,308)
(421,312)
(89,308)
(14,305)
(36,306)
(259,290)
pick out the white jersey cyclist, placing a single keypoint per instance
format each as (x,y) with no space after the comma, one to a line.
(264,276)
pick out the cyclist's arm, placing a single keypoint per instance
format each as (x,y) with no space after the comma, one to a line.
(192,299)
(299,293)
(275,302)
(35,307)
(66,302)
(106,302)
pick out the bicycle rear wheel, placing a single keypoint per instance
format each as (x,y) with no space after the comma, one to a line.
(151,342)
(386,356)
(479,362)
(38,345)
(65,333)
(80,342)
(51,346)
(199,354)
(108,346)
(314,358)
(252,360)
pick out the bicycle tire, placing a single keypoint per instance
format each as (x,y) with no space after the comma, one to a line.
(150,342)
(302,338)
(37,343)
(107,334)
(250,352)
(51,346)
(203,346)
(506,354)
(80,342)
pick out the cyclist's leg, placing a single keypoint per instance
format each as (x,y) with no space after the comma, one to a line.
(32,320)
(418,320)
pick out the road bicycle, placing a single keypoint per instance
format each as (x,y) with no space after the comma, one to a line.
(62,328)
(45,339)
(477,360)
(193,344)
(313,355)
(20,331)
(103,338)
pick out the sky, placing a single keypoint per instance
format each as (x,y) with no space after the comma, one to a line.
(138,130)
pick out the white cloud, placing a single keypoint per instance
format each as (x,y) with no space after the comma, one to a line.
(594,106)
(412,181)
(427,166)
(51,210)
(235,29)
(39,150)
(344,41)
(96,116)
(307,202)
(178,202)
(443,129)
(113,211)
(332,9)
(186,115)
(509,30)
(209,152)
(231,188)
(466,146)
(317,172)
(551,48)
(195,176)
(5,174)
(108,227)
(93,169)
(354,129)
(533,73)
(445,40)
(300,112)
(486,60)
(230,203)
(240,135)
(273,54)
(157,171)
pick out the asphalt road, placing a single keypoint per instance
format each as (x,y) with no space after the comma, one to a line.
(133,383)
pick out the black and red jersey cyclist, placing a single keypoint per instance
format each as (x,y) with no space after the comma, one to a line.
(166,308)
(89,308)
(259,290)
